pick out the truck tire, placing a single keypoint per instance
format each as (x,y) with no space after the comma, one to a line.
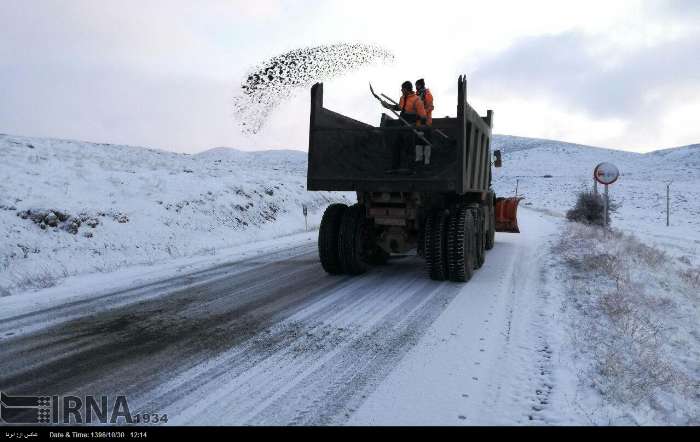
(491,232)
(461,245)
(328,238)
(353,240)
(479,237)
(435,245)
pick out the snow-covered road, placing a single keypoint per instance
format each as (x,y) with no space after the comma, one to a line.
(274,340)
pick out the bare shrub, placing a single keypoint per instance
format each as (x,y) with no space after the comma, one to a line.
(589,209)
(620,327)
(650,256)
(605,263)
(691,277)
(685,259)
(628,350)
(614,303)
(41,280)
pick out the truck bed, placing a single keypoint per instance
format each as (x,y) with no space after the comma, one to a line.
(348,155)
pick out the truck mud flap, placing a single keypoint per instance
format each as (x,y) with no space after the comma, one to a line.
(506,214)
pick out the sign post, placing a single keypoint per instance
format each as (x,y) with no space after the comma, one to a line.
(306,221)
(606,174)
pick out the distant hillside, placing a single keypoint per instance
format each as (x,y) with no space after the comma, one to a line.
(72,207)
(282,159)
(550,173)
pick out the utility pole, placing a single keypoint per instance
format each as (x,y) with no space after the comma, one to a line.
(668,203)
(517,181)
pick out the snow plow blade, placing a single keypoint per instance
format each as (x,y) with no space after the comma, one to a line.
(506,214)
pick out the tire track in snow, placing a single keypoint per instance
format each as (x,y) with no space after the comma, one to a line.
(277,342)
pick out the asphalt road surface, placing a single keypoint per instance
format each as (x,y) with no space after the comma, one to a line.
(267,340)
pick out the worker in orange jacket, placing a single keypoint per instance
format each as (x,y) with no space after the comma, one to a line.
(427,98)
(413,111)
(410,105)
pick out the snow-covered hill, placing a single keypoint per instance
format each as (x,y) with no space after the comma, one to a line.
(69,207)
(549,173)
(564,324)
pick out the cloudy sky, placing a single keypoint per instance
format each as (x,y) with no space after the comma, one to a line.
(163,73)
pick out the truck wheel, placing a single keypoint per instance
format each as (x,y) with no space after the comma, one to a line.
(479,237)
(491,232)
(435,245)
(328,238)
(353,240)
(461,245)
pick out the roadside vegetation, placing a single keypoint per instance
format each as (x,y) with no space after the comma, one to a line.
(634,327)
(590,209)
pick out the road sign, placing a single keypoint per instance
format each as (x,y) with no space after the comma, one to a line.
(606,173)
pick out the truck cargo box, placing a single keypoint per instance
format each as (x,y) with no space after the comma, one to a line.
(348,155)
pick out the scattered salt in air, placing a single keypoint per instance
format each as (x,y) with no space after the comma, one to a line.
(276,79)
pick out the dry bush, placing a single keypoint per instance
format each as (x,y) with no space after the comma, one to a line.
(590,209)
(691,277)
(42,278)
(614,303)
(648,255)
(604,263)
(619,325)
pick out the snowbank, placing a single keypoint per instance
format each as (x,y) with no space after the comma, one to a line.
(69,207)
(632,318)
(550,173)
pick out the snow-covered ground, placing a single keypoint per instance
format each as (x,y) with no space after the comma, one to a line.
(206,256)
(629,314)
(550,173)
(629,300)
(69,208)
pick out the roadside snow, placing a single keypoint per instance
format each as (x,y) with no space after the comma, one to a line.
(561,326)
(70,208)
(632,319)
(492,357)
(550,173)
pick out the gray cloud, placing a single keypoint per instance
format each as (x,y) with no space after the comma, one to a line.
(563,68)
(115,106)
(164,72)
(683,9)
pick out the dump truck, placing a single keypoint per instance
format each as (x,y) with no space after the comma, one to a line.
(444,209)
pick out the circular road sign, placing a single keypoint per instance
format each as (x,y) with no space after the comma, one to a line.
(606,173)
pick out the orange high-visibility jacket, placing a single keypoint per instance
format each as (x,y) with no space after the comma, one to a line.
(412,108)
(427,98)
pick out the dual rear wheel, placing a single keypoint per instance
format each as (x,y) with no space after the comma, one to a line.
(454,243)
(345,241)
